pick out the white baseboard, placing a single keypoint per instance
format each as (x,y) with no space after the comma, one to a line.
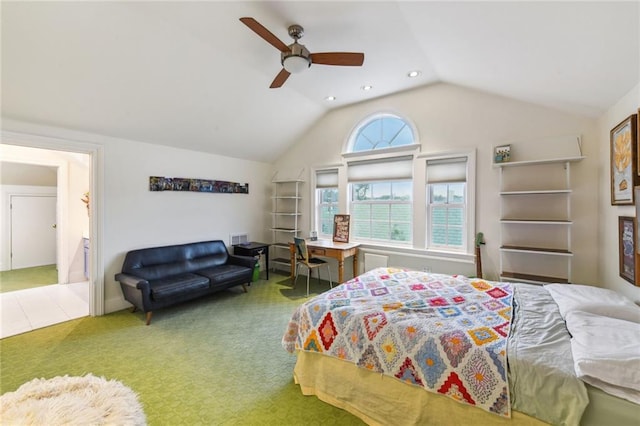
(116,304)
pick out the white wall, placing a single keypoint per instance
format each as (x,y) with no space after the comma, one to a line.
(450,118)
(608,229)
(135,217)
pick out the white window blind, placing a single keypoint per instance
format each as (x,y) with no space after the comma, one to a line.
(327,178)
(447,170)
(385,169)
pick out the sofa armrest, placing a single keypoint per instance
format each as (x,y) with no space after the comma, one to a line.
(247,261)
(136,291)
(133,281)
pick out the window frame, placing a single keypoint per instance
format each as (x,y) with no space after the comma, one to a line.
(419,243)
(429,213)
(348,152)
(373,202)
(468,251)
(318,210)
(315,219)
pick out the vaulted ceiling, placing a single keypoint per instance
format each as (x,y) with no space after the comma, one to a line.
(191,75)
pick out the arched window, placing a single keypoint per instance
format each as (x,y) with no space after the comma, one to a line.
(380,132)
(380,178)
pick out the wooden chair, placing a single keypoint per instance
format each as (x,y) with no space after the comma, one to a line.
(303,259)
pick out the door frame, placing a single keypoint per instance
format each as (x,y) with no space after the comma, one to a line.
(96,188)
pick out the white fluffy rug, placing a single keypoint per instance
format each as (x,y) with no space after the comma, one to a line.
(87,400)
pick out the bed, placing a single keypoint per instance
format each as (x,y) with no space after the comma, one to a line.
(403,347)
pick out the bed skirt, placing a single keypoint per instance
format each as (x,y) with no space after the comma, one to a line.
(382,400)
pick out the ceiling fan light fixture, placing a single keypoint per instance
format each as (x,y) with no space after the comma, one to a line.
(295,64)
(297,59)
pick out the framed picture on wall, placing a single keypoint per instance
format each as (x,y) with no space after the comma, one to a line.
(626,248)
(502,154)
(624,161)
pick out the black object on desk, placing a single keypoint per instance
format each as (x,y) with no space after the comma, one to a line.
(253,249)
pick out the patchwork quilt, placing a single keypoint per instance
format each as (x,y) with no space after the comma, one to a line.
(445,334)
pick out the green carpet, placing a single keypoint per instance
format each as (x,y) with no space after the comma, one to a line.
(213,361)
(22,279)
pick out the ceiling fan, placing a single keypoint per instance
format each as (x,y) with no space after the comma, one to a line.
(295,57)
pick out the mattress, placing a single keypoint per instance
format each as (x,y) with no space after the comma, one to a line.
(542,382)
(382,400)
(606,409)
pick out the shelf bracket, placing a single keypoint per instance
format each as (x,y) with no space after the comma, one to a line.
(579,141)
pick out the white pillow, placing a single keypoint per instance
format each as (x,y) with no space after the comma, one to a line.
(601,301)
(606,353)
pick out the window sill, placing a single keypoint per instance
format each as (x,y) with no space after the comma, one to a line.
(414,252)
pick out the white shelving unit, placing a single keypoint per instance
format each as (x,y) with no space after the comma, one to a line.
(535,217)
(285,220)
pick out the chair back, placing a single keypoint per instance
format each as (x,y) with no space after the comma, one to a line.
(301,249)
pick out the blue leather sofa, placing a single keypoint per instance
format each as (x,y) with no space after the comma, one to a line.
(157,277)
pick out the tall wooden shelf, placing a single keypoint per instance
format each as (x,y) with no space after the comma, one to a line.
(536,221)
(285,220)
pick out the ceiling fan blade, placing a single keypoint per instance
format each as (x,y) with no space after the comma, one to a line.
(280,79)
(338,58)
(259,29)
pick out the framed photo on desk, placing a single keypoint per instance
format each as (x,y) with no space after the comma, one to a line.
(341,228)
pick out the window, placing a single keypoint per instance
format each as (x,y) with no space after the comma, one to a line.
(326,201)
(380,180)
(380,132)
(382,211)
(447,204)
(447,213)
(381,201)
(327,208)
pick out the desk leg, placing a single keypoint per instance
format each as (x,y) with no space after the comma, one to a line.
(340,271)
(292,261)
(355,264)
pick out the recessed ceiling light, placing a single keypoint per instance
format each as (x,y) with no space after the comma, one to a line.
(413,73)
(330,98)
(367,87)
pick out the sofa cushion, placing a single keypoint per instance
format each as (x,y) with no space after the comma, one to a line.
(164,288)
(203,262)
(160,271)
(223,274)
(159,262)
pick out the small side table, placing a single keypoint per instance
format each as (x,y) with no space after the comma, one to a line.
(253,249)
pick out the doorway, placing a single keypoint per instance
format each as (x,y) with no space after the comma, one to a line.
(71,239)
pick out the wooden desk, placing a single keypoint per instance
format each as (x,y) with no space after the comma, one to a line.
(328,248)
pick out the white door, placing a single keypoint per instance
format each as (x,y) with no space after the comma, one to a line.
(33,231)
